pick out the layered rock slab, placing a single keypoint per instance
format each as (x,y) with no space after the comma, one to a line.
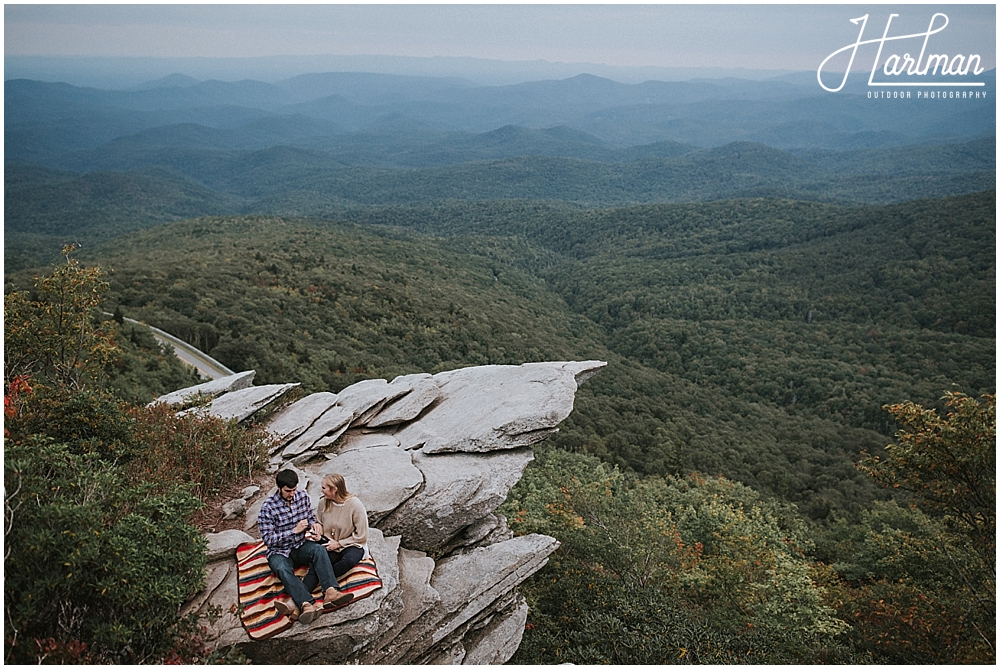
(422,391)
(431,457)
(296,418)
(470,585)
(240,404)
(459,489)
(383,476)
(208,389)
(496,407)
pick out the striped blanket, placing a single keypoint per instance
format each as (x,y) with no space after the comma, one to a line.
(260,588)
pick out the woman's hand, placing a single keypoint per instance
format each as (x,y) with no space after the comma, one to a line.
(333,545)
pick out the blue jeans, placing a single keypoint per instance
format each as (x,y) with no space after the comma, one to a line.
(341,561)
(320,570)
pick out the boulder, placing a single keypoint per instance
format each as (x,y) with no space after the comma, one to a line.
(333,422)
(220,577)
(234,509)
(415,571)
(296,418)
(208,389)
(488,530)
(582,371)
(223,545)
(498,639)
(423,391)
(382,477)
(496,407)
(357,439)
(470,585)
(459,489)
(366,398)
(241,404)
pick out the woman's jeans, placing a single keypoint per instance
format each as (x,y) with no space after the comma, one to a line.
(320,571)
(340,561)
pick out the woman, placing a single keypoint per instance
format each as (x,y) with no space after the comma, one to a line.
(345,526)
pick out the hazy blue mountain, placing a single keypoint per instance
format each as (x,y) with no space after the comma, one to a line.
(368,87)
(317,143)
(169,81)
(15,176)
(43,120)
(704,113)
(123,72)
(65,98)
(507,142)
(260,133)
(842,118)
(100,205)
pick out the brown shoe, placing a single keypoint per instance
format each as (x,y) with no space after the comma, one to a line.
(334,597)
(309,613)
(286,609)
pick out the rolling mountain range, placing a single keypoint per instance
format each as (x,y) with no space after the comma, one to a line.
(90,163)
(779,112)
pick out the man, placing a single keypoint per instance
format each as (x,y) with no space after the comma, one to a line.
(284,520)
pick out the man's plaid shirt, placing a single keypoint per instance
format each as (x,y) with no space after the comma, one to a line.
(278,518)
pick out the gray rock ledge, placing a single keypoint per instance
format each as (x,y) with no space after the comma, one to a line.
(431,457)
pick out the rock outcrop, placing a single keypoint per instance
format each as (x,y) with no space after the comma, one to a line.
(431,457)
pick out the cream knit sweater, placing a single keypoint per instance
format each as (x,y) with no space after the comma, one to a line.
(346,523)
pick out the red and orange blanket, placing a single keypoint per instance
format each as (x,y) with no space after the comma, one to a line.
(260,588)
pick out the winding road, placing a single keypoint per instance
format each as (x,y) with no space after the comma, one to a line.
(207,366)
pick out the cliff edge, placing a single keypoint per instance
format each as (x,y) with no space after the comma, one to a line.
(431,457)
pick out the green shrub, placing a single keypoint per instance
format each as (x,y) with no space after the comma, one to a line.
(655,571)
(100,551)
(87,421)
(206,451)
(58,339)
(96,567)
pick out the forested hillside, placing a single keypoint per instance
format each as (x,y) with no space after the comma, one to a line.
(754,338)
(47,206)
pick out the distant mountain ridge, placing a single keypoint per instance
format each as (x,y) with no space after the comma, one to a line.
(622,114)
(316,143)
(109,72)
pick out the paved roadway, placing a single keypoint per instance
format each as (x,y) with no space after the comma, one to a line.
(207,366)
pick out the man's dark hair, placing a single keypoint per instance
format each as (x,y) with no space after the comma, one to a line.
(286,478)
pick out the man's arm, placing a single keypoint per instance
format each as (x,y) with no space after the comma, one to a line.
(266,525)
(304,510)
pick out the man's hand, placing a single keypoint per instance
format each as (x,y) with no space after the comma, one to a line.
(301,526)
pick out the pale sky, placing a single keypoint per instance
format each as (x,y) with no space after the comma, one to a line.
(777,37)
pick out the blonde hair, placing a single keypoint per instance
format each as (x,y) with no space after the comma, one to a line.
(341,494)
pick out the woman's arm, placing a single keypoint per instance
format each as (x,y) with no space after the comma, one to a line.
(359,517)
